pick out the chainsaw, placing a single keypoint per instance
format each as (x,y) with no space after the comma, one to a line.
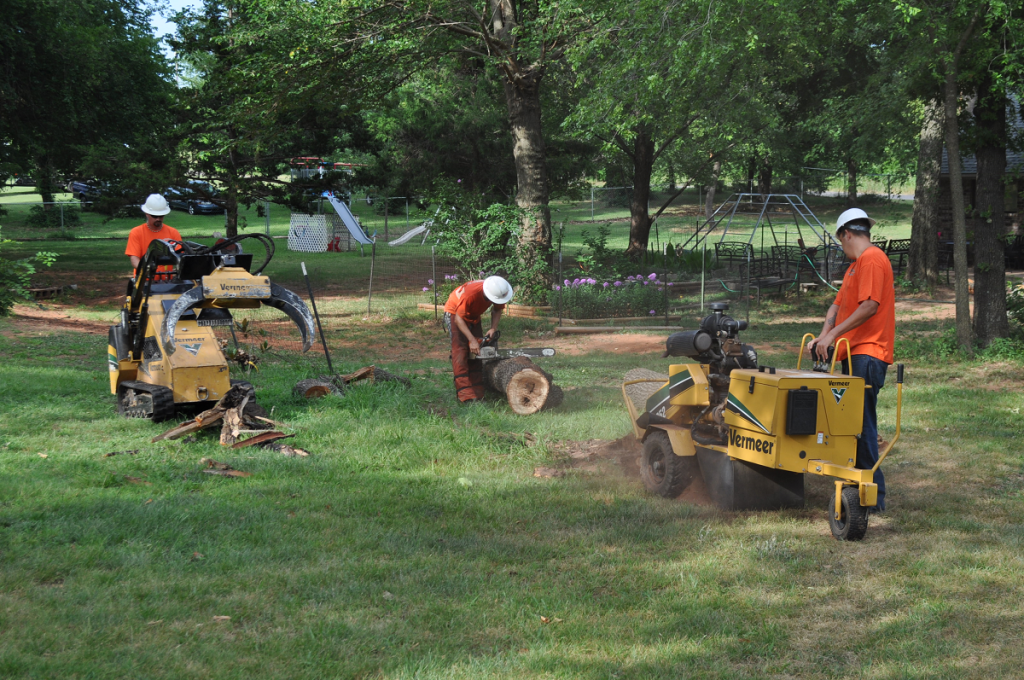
(489,350)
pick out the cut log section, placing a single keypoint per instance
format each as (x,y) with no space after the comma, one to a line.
(527,386)
(314,388)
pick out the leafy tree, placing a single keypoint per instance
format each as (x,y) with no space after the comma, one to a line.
(680,84)
(77,74)
(519,42)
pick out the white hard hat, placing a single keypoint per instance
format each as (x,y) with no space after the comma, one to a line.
(851,215)
(155,205)
(497,290)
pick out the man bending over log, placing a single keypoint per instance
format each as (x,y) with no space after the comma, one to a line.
(462,320)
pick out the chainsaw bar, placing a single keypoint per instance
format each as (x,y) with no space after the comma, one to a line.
(488,353)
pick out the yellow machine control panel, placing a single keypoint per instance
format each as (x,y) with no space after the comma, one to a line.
(782,418)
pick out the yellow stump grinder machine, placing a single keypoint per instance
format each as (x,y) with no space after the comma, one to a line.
(163,354)
(752,432)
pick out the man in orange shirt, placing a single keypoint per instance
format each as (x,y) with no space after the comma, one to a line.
(864,312)
(462,314)
(141,236)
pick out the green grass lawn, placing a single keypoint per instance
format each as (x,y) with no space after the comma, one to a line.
(416,543)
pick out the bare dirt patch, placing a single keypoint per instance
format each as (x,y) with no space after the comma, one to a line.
(27,319)
(612,343)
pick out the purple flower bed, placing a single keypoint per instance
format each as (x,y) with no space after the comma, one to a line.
(587,298)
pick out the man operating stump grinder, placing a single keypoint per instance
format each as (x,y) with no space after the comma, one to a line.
(864,312)
(462,314)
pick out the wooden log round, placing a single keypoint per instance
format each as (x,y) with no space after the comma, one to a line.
(527,391)
(525,384)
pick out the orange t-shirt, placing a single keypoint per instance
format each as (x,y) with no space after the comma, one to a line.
(469,301)
(141,236)
(869,278)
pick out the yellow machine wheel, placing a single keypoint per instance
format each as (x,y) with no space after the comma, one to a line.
(853,521)
(662,471)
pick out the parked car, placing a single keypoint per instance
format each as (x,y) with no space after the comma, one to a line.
(24,181)
(85,192)
(193,199)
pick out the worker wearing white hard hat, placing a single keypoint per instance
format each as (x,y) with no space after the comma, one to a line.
(140,237)
(864,312)
(462,314)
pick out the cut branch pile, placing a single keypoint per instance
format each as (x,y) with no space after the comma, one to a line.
(527,386)
(236,414)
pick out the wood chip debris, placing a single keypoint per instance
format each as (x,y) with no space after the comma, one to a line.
(548,472)
(289,451)
(222,469)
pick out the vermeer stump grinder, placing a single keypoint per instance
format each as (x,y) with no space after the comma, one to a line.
(753,431)
(163,354)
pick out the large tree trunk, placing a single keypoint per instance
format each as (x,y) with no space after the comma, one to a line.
(231,205)
(709,199)
(923,261)
(990,320)
(527,386)
(964,333)
(523,100)
(851,184)
(43,176)
(764,179)
(639,204)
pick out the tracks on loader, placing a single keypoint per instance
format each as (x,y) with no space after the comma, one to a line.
(142,400)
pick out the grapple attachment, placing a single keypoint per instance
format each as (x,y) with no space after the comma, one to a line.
(221,279)
(273,295)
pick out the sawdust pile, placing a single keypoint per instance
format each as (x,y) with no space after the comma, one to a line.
(617,457)
(602,456)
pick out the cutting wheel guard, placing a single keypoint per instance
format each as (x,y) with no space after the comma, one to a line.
(280,298)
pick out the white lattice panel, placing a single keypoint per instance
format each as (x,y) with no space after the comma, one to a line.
(339,234)
(308,233)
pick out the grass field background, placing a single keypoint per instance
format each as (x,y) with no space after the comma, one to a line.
(95,262)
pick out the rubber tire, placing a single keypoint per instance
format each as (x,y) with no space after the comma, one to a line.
(853,523)
(662,471)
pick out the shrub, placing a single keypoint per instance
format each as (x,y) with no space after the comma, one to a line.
(483,242)
(41,218)
(15,275)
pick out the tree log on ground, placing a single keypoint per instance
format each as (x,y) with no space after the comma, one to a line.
(527,386)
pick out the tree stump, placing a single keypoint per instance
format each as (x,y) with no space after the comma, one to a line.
(527,386)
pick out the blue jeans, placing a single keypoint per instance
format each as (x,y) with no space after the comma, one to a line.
(873,372)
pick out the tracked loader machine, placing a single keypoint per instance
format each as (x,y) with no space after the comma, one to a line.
(163,354)
(752,432)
